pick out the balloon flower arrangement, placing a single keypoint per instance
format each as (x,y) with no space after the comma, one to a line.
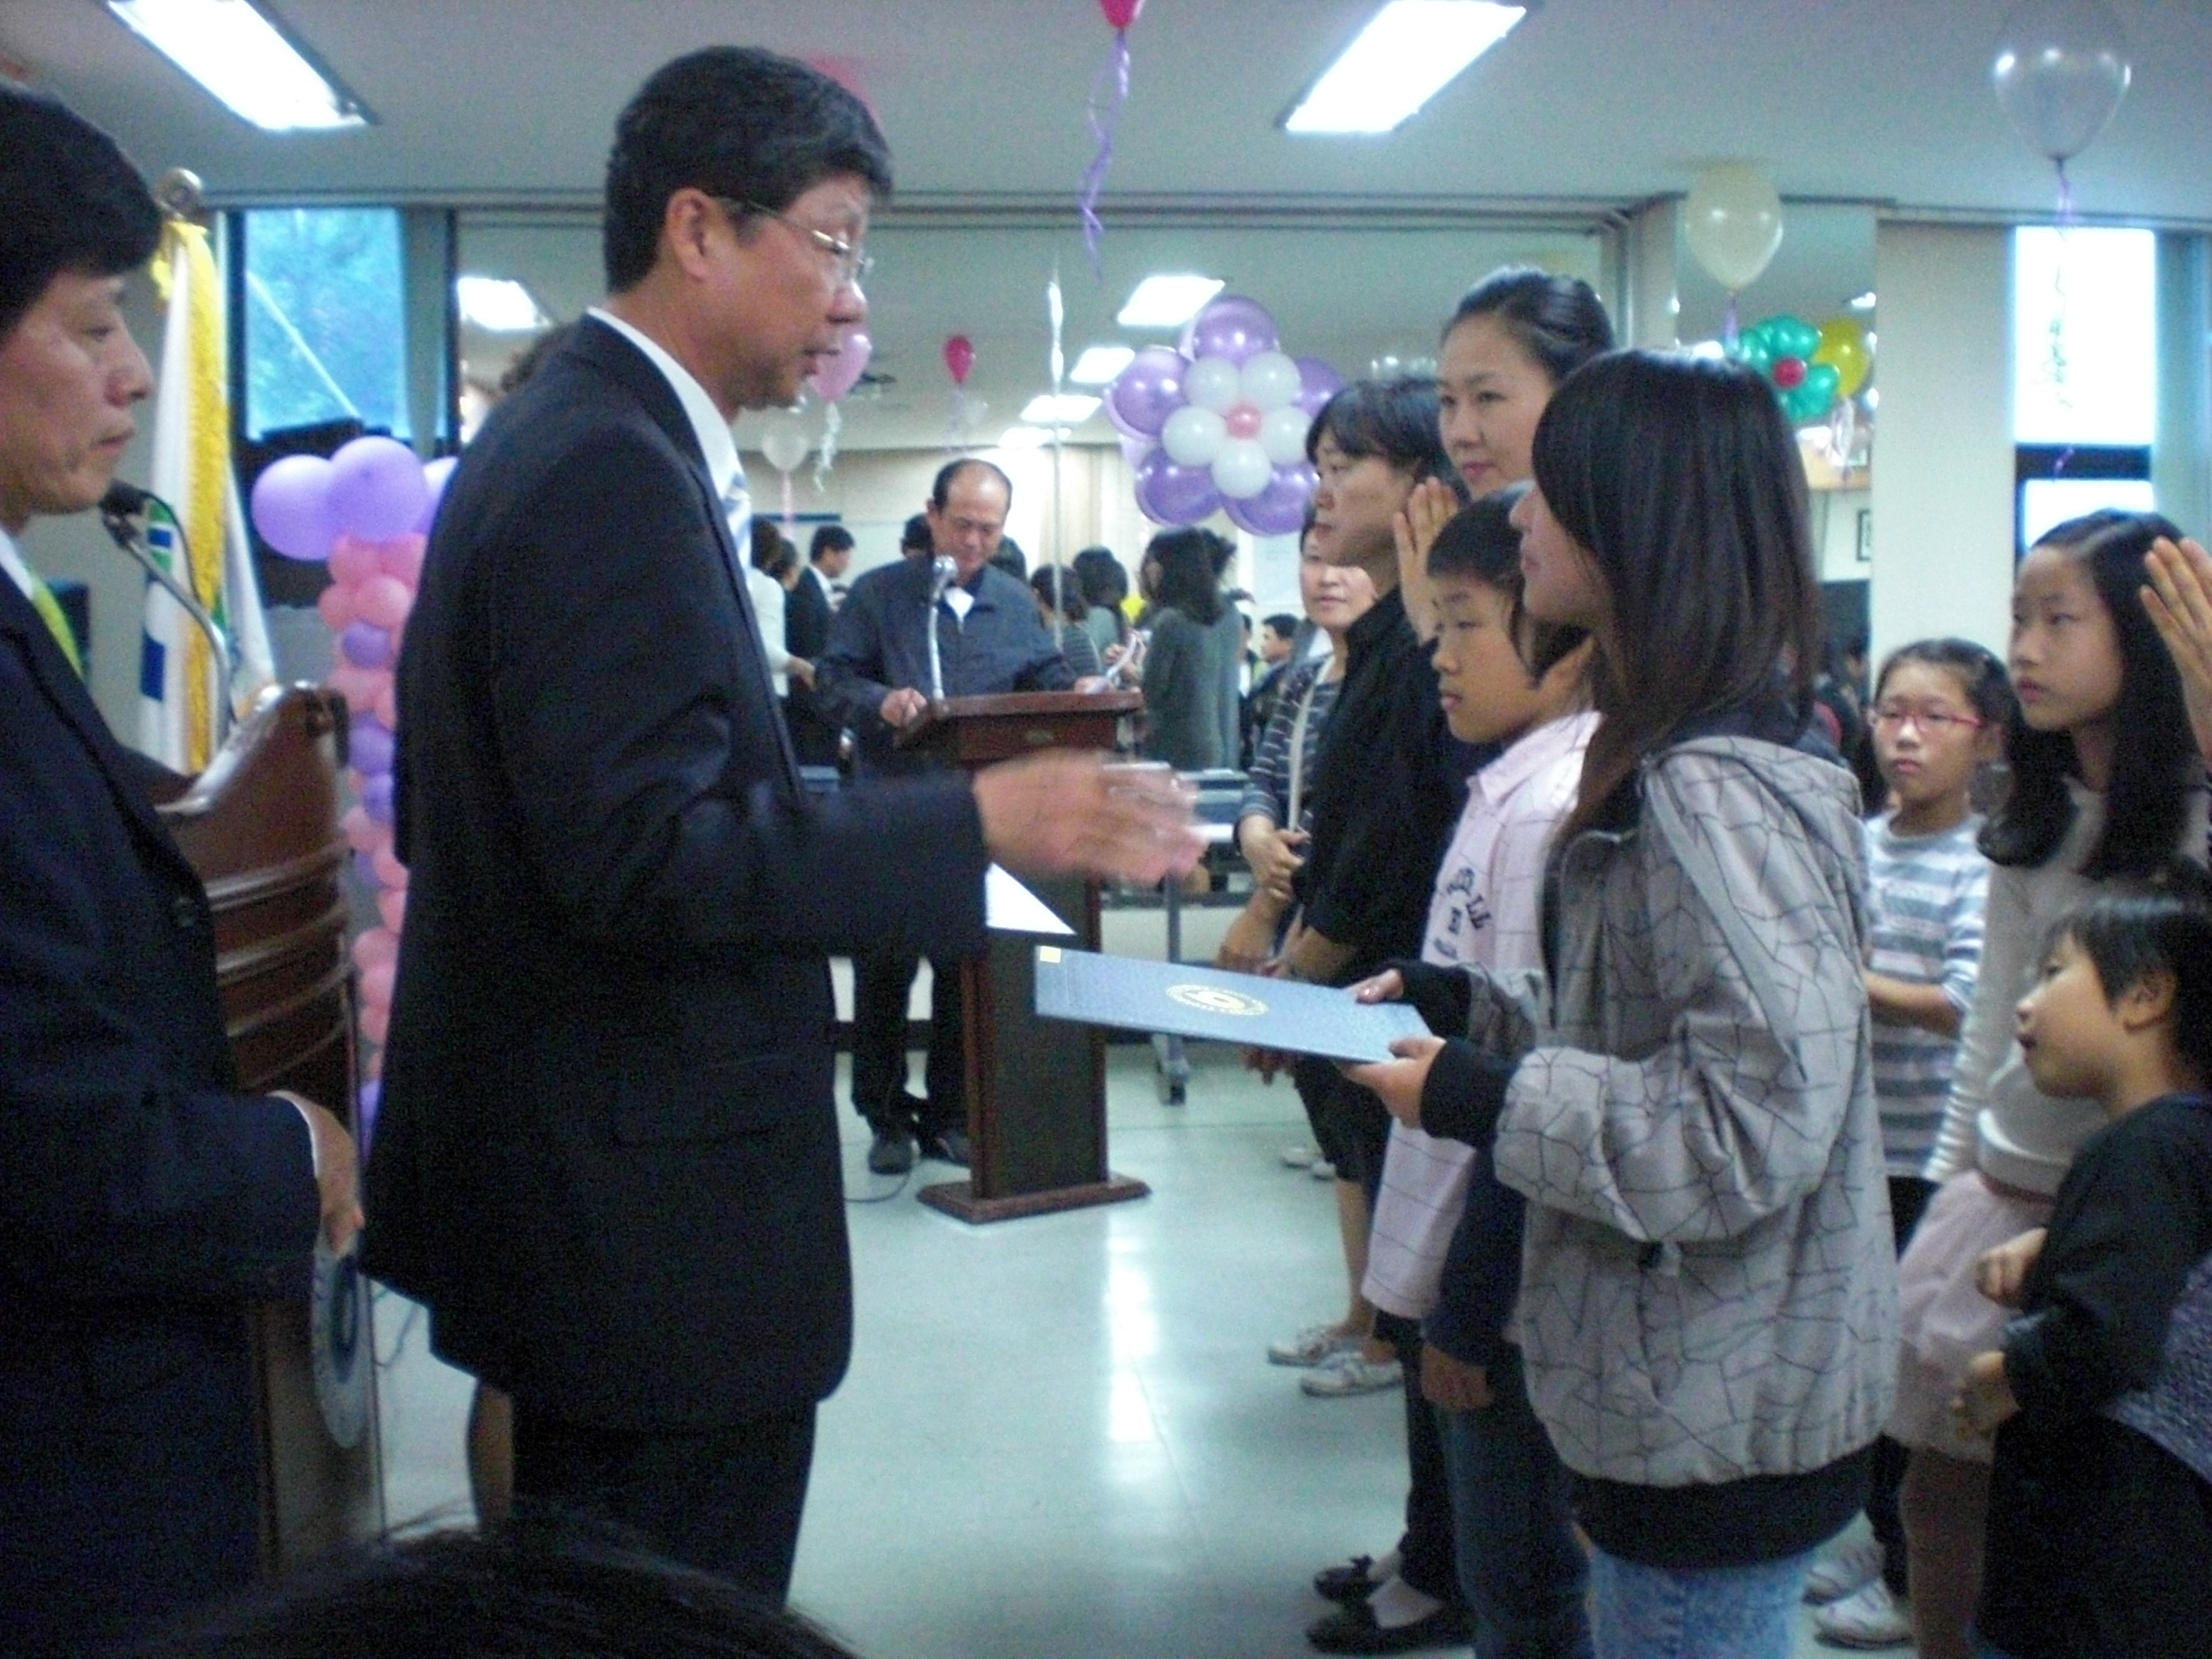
(1217,424)
(1808,367)
(366,512)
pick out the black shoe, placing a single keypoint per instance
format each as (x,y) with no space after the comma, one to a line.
(1350,1583)
(946,1146)
(892,1152)
(1353,1629)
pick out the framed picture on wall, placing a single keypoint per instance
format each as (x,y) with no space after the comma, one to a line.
(1865,544)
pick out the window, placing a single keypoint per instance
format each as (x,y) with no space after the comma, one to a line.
(2085,372)
(325,319)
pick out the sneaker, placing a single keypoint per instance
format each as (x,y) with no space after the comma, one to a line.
(1350,1373)
(1869,1617)
(1321,1170)
(1300,1157)
(1851,1566)
(1311,1346)
(891,1152)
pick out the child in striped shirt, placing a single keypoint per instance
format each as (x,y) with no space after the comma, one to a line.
(1939,714)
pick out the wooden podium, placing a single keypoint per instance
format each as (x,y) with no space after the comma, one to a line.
(260,825)
(1036,1088)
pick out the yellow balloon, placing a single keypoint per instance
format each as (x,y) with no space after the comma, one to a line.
(1844,349)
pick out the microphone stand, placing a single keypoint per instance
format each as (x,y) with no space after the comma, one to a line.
(941,572)
(121,511)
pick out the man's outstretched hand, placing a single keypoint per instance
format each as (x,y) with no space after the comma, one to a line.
(1065,812)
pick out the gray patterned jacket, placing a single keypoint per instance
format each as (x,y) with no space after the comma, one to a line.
(1709,1287)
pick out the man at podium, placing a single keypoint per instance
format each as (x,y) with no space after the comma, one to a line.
(877,673)
(607,1155)
(147,1199)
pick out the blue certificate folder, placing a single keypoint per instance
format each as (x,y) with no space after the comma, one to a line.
(1180,1000)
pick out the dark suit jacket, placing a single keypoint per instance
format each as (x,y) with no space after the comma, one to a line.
(607,1156)
(142,1199)
(805,632)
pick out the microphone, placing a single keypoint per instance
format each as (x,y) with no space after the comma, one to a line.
(941,573)
(122,510)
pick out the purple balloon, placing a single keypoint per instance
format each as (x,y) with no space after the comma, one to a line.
(364,870)
(377,488)
(1133,450)
(1168,494)
(434,477)
(1317,384)
(364,1111)
(1279,509)
(376,796)
(1231,327)
(292,507)
(368,744)
(1147,391)
(366,646)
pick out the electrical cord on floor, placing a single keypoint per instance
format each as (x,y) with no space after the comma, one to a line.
(905,1177)
(379,1295)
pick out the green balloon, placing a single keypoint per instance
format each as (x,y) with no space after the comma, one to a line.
(1754,348)
(1793,336)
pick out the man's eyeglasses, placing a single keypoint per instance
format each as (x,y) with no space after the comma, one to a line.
(1932,721)
(851,265)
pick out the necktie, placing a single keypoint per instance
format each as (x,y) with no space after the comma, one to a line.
(50,612)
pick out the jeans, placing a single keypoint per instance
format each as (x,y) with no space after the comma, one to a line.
(1523,1574)
(1696,1612)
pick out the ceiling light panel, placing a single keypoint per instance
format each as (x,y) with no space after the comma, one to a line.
(1067,410)
(1099,364)
(1408,52)
(1167,301)
(245,61)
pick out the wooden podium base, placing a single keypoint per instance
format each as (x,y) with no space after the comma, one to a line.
(957,1199)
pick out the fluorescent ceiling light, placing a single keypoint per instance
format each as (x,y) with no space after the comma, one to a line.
(1167,301)
(242,57)
(1863,301)
(1030,437)
(499,304)
(1407,53)
(1099,364)
(1068,409)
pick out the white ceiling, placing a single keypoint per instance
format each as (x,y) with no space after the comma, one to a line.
(1591,108)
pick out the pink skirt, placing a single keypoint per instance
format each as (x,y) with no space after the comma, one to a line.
(1944,1318)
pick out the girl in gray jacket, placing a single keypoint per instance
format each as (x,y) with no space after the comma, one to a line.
(1708,1304)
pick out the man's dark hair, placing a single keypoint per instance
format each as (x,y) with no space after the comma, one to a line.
(828,539)
(2160,924)
(1104,581)
(1282,624)
(740,124)
(70,200)
(465,1595)
(1008,557)
(941,489)
(914,535)
(1395,420)
(1478,544)
(1681,481)
(770,552)
(1557,320)
(1072,605)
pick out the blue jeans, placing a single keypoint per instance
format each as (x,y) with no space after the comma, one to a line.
(1696,1612)
(1522,1572)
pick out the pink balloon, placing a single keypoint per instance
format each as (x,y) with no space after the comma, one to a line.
(959,357)
(1243,419)
(1120,14)
(376,1024)
(358,686)
(353,561)
(378,944)
(376,985)
(385,601)
(372,1070)
(402,558)
(386,707)
(392,905)
(389,870)
(361,832)
(335,605)
(834,377)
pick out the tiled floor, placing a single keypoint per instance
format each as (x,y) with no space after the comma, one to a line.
(1059,1439)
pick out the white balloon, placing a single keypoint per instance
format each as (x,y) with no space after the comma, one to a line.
(1270,381)
(1283,435)
(1211,383)
(1193,436)
(1733,223)
(783,439)
(2060,72)
(1242,470)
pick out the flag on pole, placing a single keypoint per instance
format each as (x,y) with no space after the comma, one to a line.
(193,474)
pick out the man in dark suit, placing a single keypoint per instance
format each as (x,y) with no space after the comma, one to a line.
(146,1197)
(806,631)
(607,1158)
